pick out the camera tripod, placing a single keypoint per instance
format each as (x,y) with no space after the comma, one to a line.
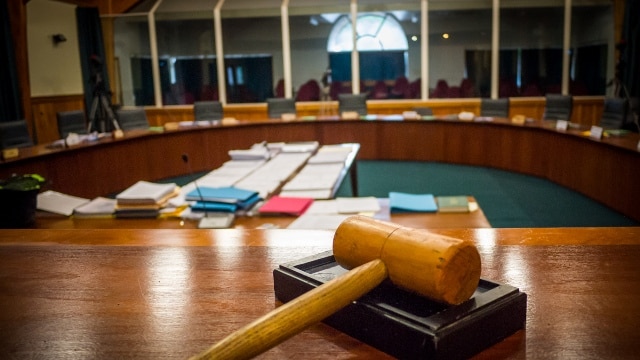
(101,112)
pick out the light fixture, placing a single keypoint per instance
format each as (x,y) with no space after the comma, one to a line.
(58,38)
(445,36)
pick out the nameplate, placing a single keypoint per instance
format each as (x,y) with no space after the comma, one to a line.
(117,134)
(596,132)
(466,116)
(288,117)
(10,153)
(229,121)
(518,119)
(562,125)
(350,115)
(171,126)
(410,115)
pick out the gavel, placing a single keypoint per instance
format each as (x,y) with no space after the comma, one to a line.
(444,269)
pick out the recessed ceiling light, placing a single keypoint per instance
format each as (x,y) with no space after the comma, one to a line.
(445,36)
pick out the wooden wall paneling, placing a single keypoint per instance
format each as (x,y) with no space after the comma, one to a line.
(44,111)
(349,131)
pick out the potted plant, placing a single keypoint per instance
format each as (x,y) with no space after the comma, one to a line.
(18,200)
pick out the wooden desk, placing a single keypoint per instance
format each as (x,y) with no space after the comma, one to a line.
(605,170)
(106,294)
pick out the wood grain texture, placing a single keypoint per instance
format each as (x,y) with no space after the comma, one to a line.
(107,294)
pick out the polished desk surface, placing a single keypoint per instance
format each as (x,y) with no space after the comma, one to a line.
(170,293)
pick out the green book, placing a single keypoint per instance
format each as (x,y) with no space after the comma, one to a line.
(453,204)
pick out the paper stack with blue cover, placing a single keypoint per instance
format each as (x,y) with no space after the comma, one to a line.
(222,199)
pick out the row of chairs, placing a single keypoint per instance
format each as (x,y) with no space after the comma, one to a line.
(557,107)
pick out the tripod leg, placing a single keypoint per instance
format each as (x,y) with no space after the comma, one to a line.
(92,116)
(109,112)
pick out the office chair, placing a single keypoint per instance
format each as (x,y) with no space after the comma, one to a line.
(73,121)
(207,110)
(130,119)
(614,113)
(558,107)
(276,107)
(494,107)
(423,111)
(352,102)
(14,134)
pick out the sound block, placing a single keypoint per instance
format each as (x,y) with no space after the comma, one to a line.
(406,325)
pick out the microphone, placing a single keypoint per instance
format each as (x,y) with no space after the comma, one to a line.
(220,220)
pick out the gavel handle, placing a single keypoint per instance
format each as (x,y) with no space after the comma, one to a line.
(298,314)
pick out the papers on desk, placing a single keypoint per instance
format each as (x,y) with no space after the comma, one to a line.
(328,214)
(144,199)
(58,203)
(256,152)
(98,207)
(225,199)
(281,205)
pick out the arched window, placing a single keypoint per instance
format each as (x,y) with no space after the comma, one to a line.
(375,32)
(381,42)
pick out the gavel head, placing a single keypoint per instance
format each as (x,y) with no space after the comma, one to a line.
(441,268)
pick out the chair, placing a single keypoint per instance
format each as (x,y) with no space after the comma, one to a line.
(73,121)
(352,102)
(423,111)
(309,91)
(558,107)
(14,134)
(379,91)
(278,106)
(400,88)
(614,113)
(494,107)
(130,119)
(207,110)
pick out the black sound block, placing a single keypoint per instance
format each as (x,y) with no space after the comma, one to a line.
(406,325)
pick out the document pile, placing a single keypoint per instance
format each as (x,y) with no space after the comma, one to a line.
(405,202)
(144,199)
(222,199)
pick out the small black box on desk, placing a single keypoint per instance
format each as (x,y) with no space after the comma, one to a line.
(406,325)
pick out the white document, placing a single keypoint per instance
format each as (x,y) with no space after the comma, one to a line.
(354,205)
(318,221)
(58,203)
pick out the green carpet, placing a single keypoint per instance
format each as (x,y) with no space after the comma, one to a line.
(507,199)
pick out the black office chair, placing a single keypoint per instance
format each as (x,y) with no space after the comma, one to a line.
(352,102)
(614,113)
(558,107)
(207,110)
(276,107)
(14,134)
(494,107)
(423,111)
(130,119)
(73,121)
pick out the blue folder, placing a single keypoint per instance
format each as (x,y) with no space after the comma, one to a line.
(405,202)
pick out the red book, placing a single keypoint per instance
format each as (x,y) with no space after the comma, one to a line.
(283,205)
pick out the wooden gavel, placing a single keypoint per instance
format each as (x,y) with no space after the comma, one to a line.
(441,268)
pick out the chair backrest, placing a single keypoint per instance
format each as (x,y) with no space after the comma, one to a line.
(558,107)
(73,121)
(423,110)
(130,119)
(14,134)
(614,113)
(352,102)
(207,110)
(309,91)
(278,106)
(494,107)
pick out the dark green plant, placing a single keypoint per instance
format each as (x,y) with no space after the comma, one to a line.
(26,182)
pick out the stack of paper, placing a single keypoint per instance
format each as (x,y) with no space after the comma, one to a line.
(98,207)
(144,199)
(225,199)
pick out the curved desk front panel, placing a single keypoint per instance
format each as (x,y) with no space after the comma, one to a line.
(606,170)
